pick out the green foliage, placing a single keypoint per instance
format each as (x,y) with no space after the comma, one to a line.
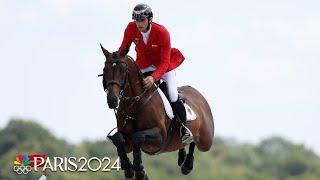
(274,158)
(98,149)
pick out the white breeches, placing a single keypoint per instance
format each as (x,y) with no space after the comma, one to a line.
(172,85)
(171,81)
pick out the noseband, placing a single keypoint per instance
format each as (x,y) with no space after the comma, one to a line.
(125,83)
(123,86)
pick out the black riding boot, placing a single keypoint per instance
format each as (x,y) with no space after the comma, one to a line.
(180,113)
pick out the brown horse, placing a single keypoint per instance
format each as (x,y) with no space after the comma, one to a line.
(142,121)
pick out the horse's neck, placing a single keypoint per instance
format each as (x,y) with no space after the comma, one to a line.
(135,81)
(135,88)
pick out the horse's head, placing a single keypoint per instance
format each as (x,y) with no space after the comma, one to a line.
(115,76)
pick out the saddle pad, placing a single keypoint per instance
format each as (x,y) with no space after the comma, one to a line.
(190,113)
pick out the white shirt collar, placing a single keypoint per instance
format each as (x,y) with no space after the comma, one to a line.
(145,35)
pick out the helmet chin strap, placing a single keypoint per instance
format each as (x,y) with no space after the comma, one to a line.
(149,22)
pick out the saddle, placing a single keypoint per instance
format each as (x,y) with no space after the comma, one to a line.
(173,124)
(167,104)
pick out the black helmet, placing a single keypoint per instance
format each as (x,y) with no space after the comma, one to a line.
(141,11)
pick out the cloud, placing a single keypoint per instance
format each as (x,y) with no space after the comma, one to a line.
(62,7)
(302,32)
(28,16)
(246,61)
(37,12)
(276,76)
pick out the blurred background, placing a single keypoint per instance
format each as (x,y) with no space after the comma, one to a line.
(255,62)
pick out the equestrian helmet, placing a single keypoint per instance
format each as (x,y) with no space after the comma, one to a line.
(141,12)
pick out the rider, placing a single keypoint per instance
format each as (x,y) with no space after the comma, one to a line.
(154,53)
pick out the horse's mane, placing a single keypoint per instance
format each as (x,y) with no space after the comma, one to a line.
(136,68)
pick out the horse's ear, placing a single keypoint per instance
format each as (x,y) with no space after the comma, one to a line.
(105,52)
(122,53)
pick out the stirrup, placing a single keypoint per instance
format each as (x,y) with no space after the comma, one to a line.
(187,138)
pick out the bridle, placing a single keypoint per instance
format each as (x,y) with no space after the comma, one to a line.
(123,87)
(124,111)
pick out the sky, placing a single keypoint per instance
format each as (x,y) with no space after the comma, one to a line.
(256,62)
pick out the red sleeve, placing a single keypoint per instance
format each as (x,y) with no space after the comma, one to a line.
(127,39)
(165,52)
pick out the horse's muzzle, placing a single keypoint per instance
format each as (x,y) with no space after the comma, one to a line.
(112,101)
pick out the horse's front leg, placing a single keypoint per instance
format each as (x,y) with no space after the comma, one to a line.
(119,141)
(150,136)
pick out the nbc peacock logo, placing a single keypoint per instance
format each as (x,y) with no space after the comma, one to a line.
(22,164)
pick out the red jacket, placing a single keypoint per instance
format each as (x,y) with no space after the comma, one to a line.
(157,52)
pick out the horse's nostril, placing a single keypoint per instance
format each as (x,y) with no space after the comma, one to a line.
(112,98)
(112,101)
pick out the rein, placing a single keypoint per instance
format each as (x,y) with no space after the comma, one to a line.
(137,98)
(123,87)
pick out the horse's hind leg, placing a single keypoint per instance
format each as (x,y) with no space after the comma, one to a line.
(187,165)
(126,165)
(181,156)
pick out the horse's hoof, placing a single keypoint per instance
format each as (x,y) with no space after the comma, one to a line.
(142,175)
(187,166)
(129,174)
(133,178)
(186,170)
(145,177)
